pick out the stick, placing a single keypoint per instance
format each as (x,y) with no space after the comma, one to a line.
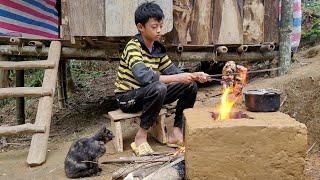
(139,160)
(249,72)
(128,169)
(164,167)
(284,100)
(311,148)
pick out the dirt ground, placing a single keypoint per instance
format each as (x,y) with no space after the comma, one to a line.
(84,116)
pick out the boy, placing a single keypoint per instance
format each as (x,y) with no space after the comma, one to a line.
(147,79)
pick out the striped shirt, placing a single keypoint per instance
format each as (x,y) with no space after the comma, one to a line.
(138,66)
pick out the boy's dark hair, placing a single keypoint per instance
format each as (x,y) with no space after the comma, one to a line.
(146,11)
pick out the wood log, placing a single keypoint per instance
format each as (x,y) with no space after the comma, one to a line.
(253,21)
(39,143)
(285,36)
(24,92)
(15,40)
(267,47)
(19,65)
(21,129)
(38,44)
(227,22)
(201,24)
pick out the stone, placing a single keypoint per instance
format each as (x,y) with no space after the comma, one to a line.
(270,146)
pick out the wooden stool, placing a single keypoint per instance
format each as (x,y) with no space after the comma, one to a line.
(158,130)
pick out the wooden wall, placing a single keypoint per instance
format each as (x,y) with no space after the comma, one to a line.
(198,22)
(224,22)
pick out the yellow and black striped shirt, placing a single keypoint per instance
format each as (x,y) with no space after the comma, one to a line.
(135,53)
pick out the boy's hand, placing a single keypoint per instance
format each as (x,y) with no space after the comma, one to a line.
(186,78)
(201,76)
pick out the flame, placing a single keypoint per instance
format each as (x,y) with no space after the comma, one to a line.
(231,94)
(226,105)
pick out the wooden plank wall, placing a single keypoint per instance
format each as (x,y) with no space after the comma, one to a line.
(230,21)
(87,17)
(271,21)
(120,16)
(253,21)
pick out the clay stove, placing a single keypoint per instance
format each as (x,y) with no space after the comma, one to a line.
(267,146)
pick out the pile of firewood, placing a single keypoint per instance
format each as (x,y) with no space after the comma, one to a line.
(166,165)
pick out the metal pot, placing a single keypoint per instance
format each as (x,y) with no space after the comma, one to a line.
(262,100)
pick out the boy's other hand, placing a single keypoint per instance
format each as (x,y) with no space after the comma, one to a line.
(186,78)
(201,76)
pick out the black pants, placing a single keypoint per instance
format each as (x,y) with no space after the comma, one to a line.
(150,99)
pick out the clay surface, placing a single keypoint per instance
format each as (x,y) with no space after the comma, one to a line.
(270,146)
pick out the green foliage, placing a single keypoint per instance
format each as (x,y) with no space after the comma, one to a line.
(82,71)
(33,78)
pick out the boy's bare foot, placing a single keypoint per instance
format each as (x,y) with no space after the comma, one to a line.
(176,137)
(141,137)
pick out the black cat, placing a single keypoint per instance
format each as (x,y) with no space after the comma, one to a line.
(82,158)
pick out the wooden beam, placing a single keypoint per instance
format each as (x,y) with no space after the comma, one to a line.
(206,56)
(20,65)
(24,92)
(38,149)
(21,129)
(4,75)
(20,101)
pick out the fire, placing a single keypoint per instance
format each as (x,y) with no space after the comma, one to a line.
(226,104)
(231,91)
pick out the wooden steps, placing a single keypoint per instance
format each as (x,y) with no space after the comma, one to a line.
(41,127)
(24,92)
(19,65)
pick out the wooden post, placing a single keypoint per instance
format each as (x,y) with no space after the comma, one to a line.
(4,77)
(285,36)
(64,80)
(20,115)
(38,149)
(61,96)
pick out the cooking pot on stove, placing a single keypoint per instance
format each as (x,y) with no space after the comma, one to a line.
(262,100)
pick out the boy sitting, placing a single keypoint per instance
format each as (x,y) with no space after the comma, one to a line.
(147,79)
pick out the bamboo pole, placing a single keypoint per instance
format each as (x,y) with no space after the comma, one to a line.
(20,103)
(39,143)
(24,92)
(20,65)
(21,129)
(285,35)
(98,54)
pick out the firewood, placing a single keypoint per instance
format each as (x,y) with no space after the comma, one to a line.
(124,171)
(167,169)
(140,159)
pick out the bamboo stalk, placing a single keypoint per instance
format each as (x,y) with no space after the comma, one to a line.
(24,92)
(21,129)
(25,65)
